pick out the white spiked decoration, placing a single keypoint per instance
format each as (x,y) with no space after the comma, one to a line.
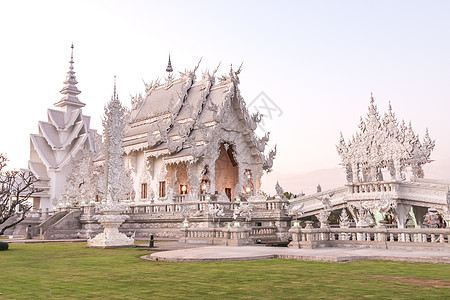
(114,125)
(383,143)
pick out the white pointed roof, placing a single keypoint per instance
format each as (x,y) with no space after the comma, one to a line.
(66,132)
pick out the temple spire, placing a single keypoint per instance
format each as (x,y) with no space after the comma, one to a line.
(70,91)
(115,95)
(169,68)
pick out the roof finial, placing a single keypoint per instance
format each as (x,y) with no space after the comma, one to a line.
(217,68)
(371,97)
(71,54)
(115,87)
(70,90)
(195,69)
(169,66)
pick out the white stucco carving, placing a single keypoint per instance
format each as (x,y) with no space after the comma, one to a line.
(382,143)
(344,221)
(81,183)
(215,211)
(244,211)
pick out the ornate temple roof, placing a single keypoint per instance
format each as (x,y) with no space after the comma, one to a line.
(181,115)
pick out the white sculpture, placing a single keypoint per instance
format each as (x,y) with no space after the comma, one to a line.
(215,211)
(343,219)
(384,204)
(296,211)
(326,202)
(243,210)
(279,190)
(81,183)
(362,212)
(113,125)
(326,211)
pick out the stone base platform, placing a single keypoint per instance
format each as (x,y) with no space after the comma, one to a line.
(224,253)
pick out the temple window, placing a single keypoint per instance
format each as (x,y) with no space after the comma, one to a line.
(183,189)
(204,186)
(144,191)
(162,189)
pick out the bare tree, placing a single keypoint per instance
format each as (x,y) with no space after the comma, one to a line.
(16,187)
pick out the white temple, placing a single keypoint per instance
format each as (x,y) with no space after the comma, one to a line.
(61,139)
(185,163)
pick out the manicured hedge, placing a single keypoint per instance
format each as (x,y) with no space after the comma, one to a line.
(3,246)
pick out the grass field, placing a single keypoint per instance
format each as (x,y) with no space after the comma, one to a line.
(71,271)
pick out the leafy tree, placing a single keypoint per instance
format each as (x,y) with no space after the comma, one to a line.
(289,195)
(16,187)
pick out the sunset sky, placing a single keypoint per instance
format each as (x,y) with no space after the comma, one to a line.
(317,61)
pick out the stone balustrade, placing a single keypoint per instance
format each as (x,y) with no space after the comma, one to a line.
(193,206)
(263,231)
(372,187)
(180,203)
(382,237)
(39,214)
(181,198)
(231,236)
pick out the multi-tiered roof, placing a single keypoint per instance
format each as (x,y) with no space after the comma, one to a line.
(66,132)
(179,119)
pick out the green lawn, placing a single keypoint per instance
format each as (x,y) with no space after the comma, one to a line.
(70,271)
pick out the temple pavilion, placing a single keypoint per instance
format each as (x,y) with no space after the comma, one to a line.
(188,138)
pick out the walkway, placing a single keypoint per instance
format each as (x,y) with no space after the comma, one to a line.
(224,253)
(183,252)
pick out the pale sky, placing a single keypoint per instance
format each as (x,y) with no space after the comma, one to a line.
(317,61)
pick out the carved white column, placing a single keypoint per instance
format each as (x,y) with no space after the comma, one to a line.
(402,213)
(112,217)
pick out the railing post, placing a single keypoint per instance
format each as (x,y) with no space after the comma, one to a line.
(382,236)
(295,231)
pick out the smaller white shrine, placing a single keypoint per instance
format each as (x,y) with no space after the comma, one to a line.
(383,144)
(385,180)
(60,140)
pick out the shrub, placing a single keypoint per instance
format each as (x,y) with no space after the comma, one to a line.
(3,246)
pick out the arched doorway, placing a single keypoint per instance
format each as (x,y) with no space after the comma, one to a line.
(226,171)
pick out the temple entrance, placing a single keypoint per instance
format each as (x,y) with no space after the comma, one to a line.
(227,171)
(177,186)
